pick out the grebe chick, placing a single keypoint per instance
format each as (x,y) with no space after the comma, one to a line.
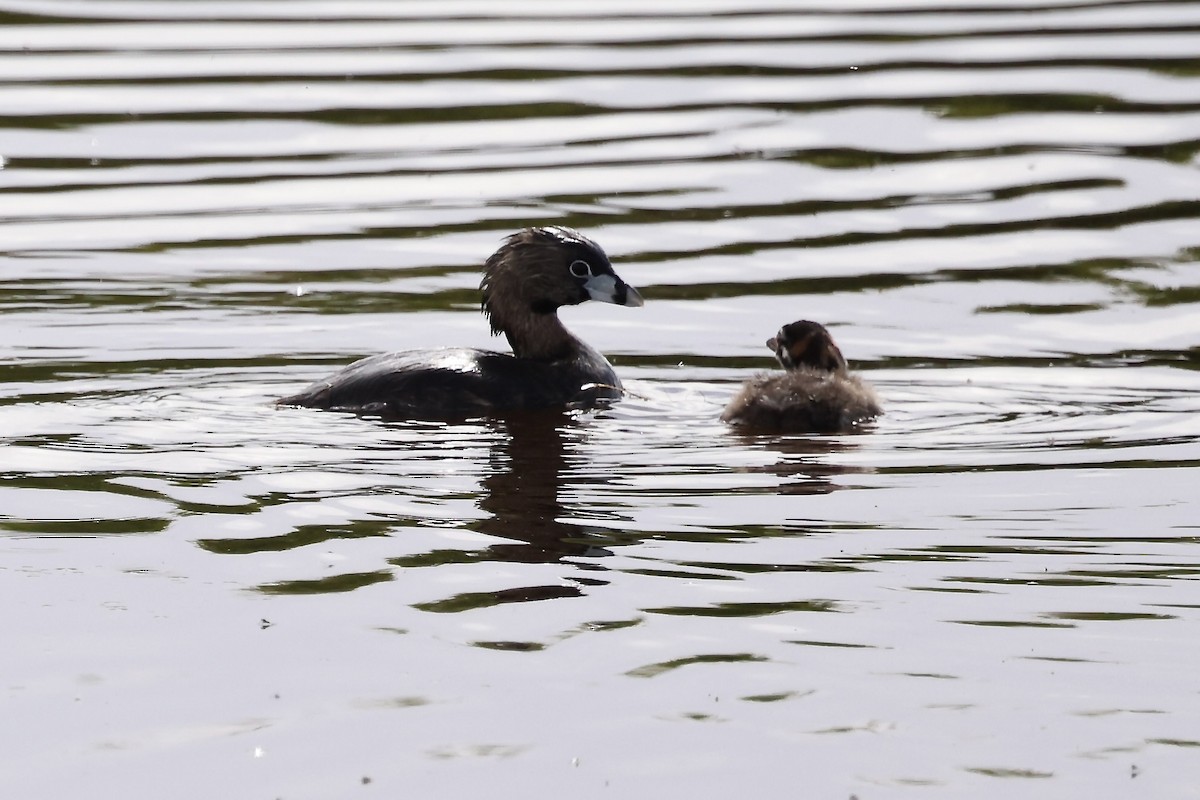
(816,394)
(525,282)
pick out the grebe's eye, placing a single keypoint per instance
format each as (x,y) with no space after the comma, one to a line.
(581,269)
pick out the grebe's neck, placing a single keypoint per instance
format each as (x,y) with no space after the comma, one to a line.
(541,337)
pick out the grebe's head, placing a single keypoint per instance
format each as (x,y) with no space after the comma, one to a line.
(539,270)
(806,344)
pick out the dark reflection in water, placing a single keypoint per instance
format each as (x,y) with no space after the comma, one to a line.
(300,536)
(804,464)
(524,494)
(535,461)
(529,459)
(523,499)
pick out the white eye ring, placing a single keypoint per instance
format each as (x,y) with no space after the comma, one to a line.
(580,269)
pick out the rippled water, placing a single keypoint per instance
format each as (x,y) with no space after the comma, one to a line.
(989,593)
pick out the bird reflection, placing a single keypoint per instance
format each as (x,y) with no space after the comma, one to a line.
(530,457)
(522,496)
(535,467)
(803,464)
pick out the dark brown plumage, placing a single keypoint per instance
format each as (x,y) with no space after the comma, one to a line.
(816,393)
(534,273)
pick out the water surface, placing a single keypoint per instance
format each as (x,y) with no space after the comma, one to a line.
(990,592)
